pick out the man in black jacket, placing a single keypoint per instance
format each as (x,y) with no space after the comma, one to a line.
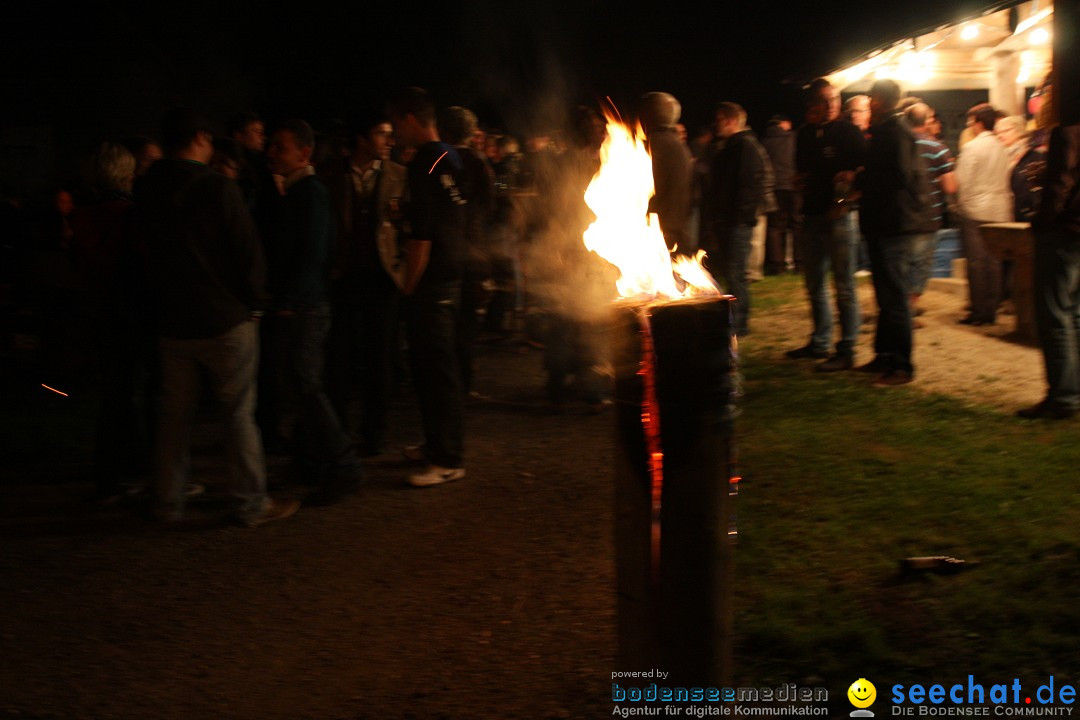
(300,257)
(207,266)
(894,208)
(1057,269)
(740,189)
(435,228)
(458,127)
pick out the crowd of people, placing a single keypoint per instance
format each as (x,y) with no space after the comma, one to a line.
(866,188)
(278,271)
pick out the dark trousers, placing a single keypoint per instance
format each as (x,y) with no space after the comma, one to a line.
(319,441)
(784,220)
(568,352)
(131,381)
(472,297)
(503,299)
(432,327)
(890,260)
(734,247)
(1057,313)
(361,348)
(984,272)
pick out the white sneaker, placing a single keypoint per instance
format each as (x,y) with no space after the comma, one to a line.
(414,453)
(436,475)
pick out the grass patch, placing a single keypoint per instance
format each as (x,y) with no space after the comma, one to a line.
(775,292)
(843,480)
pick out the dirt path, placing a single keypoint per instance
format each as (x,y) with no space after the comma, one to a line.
(981,365)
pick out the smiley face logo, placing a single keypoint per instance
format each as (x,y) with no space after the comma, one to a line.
(862,693)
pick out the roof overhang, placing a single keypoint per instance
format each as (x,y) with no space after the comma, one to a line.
(971,53)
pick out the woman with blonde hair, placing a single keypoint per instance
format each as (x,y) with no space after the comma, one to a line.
(1012,132)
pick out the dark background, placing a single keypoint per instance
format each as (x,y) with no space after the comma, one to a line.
(73,74)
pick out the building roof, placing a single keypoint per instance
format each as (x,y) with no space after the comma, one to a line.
(1012,36)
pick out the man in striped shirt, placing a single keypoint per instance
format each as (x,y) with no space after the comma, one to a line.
(940,168)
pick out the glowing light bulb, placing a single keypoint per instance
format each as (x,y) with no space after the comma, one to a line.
(970,32)
(1039,36)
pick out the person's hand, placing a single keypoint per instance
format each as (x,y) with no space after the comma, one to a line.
(845,177)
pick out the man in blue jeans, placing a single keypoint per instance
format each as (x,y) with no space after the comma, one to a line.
(740,189)
(828,151)
(207,268)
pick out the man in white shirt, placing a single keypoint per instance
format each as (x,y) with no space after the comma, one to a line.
(982,176)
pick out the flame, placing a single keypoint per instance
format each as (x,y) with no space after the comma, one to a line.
(626,234)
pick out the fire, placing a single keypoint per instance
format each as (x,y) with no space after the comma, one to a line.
(629,237)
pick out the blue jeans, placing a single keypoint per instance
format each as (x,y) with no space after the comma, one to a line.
(922,260)
(1057,313)
(834,244)
(890,261)
(229,361)
(735,252)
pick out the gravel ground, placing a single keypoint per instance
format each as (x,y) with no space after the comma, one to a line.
(979,365)
(487,598)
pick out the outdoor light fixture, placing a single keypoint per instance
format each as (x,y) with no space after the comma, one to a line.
(914,67)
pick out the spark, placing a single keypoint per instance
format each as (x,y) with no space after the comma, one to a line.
(54,390)
(615,109)
(437,162)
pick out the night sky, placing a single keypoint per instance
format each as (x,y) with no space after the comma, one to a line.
(110,68)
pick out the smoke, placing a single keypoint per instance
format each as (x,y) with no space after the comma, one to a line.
(567,278)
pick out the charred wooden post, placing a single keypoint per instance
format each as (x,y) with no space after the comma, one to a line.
(675,363)
(1066,61)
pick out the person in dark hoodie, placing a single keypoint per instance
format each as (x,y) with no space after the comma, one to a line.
(671,166)
(740,189)
(207,267)
(300,257)
(894,208)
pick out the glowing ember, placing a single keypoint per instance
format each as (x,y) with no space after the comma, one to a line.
(54,390)
(625,234)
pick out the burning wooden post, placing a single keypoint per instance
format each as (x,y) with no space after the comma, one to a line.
(676,386)
(676,383)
